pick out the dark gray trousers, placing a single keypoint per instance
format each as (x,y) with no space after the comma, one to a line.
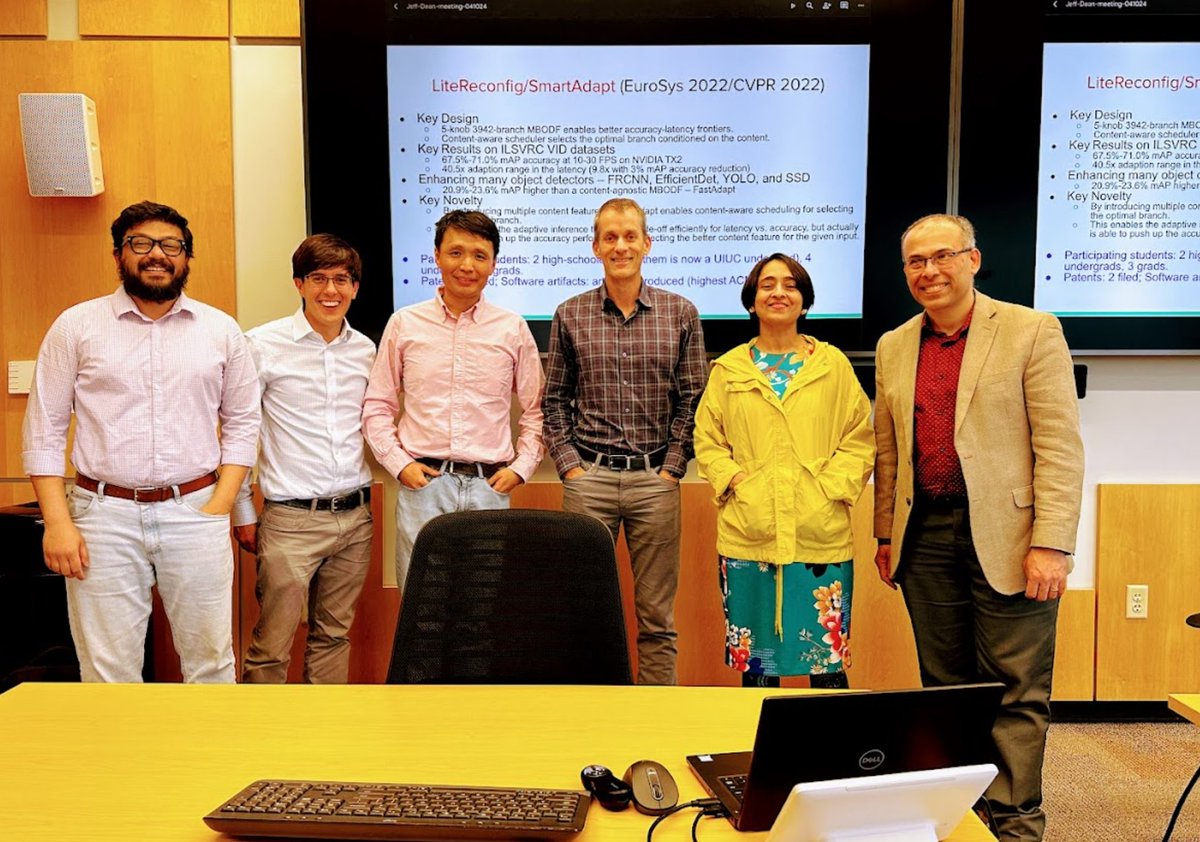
(967,632)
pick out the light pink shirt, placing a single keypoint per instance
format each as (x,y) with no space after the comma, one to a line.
(147,394)
(457,376)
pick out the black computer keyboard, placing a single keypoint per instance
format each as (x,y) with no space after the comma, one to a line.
(334,810)
(736,784)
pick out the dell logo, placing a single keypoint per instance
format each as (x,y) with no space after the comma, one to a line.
(871,760)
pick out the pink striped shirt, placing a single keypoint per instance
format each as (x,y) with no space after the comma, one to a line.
(147,394)
(457,377)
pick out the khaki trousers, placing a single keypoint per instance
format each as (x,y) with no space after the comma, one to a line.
(648,506)
(318,559)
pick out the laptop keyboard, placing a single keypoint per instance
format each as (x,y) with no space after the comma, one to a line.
(736,784)
(322,810)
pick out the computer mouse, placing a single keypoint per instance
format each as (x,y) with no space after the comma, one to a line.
(654,790)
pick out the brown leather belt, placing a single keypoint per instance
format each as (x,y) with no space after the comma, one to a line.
(147,495)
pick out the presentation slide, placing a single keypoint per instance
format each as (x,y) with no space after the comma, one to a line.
(733,151)
(1118,216)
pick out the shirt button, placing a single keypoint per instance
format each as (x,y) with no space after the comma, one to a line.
(624,353)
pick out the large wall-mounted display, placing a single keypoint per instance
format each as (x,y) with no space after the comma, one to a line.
(540,136)
(1081,165)
(743,128)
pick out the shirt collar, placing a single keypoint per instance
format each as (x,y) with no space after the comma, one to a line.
(472,311)
(642,300)
(301,328)
(122,304)
(927,328)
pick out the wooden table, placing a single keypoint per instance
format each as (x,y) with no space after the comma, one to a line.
(1186,705)
(146,762)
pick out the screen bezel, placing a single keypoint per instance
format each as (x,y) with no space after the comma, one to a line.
(1001,121)
(346,123)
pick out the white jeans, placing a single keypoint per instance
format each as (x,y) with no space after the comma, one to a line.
(444,494)
(133,546)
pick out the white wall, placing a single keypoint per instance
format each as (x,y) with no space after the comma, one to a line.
(1140,421)
(268,178)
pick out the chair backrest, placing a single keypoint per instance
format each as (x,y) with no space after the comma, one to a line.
(511,596)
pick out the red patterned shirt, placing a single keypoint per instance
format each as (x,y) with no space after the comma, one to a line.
(938,470)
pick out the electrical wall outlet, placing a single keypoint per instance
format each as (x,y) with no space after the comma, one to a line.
(1137,602)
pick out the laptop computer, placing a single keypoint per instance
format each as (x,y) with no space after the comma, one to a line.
(846,735)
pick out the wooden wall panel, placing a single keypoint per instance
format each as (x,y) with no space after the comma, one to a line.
(23,17)
(165,134)
(125,18)
(264,18)
(1075,647)
(1148,535)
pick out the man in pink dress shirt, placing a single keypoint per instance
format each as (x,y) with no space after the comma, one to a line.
(457,360)
(148,374)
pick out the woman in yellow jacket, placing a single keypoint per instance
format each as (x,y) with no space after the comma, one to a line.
(783,434)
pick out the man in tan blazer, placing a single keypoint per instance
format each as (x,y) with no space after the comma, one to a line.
(978,480)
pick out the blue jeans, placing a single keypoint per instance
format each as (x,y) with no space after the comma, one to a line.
(133,546)
(444,494)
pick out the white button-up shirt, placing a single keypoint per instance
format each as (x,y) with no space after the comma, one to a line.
(147,394)
(312,395)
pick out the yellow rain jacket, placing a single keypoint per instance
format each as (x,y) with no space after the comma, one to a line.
(806,457)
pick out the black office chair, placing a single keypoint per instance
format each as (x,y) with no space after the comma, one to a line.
(516,596)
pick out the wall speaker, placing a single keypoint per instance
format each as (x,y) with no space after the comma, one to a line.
(62,145)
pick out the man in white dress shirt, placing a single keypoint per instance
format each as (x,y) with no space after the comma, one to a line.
(314,538)
(148,374)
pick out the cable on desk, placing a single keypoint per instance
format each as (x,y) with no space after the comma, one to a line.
(983,809)
(707,807)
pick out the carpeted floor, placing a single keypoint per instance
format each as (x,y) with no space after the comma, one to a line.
(1106,782)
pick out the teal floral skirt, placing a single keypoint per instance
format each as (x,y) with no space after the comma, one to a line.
(816,617)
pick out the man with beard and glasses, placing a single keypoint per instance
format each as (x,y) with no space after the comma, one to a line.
(149,373)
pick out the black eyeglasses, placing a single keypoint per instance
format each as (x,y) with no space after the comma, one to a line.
(171,246)
(319,280)
(941,260)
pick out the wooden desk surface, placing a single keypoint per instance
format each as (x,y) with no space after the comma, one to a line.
(146,762)
(1186,705)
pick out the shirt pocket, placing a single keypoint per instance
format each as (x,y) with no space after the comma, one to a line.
(491,370)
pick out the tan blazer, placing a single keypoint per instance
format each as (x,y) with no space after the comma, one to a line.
(1016,430)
